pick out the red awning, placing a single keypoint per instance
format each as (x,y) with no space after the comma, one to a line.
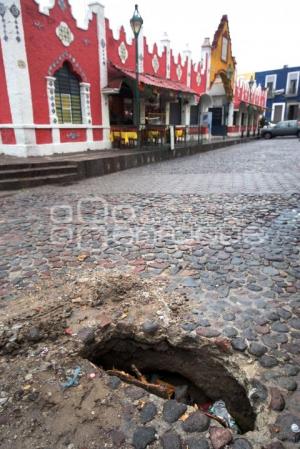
(151,80)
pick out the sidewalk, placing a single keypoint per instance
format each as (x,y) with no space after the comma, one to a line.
(17,173)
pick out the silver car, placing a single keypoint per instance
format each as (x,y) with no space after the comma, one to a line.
(284,128)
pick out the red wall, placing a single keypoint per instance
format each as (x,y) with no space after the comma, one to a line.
(44,48)
(174,70)
(113,48)
(148,57)
(8,135)
(113,55)
(202,87)
(97,134)
(43,136)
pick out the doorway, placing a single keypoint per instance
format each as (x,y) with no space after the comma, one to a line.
(293,112)
(218,128)
(277,113)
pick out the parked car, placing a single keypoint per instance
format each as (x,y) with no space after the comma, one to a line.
(284,128)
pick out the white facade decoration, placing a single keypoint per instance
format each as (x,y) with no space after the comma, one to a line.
(167,44)
(292,77)
(155,63)
(45,8)
(123,52)
(98,9)
(281,108)
(224,49)
(140,63)
(141,52)
(271,79)
(51,99)
(64,34)
(85,89)
(188,55)
(198,79)
(206,58)
(179,72)
(18,85)
(53,119)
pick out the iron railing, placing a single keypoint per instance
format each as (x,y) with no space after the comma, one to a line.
(166,136)
(149,136)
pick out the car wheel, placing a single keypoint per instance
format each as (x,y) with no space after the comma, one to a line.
(298,134)
(267,135)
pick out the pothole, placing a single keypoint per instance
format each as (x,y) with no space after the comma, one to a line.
(193,375)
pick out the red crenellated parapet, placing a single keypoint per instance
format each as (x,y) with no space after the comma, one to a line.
(158,61)
(257,96)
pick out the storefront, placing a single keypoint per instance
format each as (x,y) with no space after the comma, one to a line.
(72,87)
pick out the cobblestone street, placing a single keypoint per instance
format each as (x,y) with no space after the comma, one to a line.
(222,228)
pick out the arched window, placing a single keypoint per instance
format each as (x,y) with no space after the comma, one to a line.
(67,96)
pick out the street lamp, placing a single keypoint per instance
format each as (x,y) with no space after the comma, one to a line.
(136,23)
(251,84)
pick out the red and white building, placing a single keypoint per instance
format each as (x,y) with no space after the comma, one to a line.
(62,86)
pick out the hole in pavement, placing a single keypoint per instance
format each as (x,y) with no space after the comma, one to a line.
(187,374)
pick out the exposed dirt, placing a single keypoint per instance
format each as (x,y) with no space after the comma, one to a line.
(47,336)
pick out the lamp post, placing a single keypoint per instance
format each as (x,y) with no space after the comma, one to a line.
(136,23)
(251,84)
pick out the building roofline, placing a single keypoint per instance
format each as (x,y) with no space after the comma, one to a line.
(288,69)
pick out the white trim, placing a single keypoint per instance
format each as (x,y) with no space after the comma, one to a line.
(47,126)
(271,78)
(141,51)
(82,23)
(188,54)
(273,110)
(50,80)
(45,9)
(167,113)
(230,114)
(17,74)
(288,104)
(206,56)
(186,114)
(224,50)
(54,148)
(55,135)
(85,99)
(166,43)
(288,79)
(89,135)
(102,48)
(110,91)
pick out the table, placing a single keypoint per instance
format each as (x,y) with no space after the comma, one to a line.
(125,136)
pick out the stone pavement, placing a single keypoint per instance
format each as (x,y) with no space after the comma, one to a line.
(258,167)
(222,227)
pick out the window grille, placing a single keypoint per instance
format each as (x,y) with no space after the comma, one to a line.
(67,96)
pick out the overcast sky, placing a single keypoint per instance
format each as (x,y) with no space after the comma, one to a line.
(264,34)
